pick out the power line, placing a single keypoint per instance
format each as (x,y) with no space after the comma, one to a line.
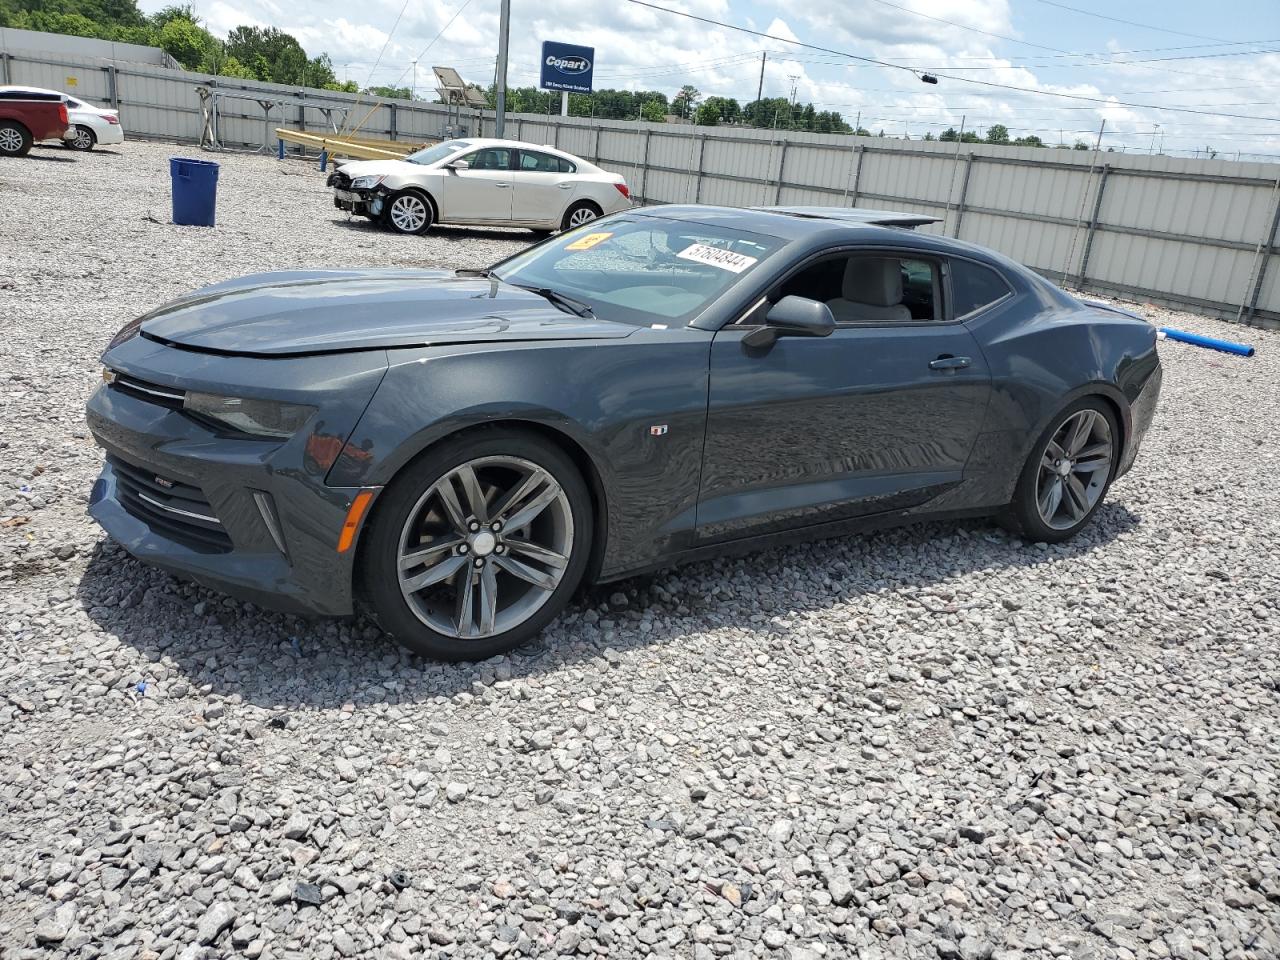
(973,80)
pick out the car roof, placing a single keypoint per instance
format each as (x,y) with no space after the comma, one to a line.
(883,218)
(23,88)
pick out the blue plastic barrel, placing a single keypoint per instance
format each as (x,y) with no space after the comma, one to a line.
(195,191)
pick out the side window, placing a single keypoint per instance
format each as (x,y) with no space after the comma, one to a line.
(974,286)
(494,158)
(869,288)
(543,163)
(566,166)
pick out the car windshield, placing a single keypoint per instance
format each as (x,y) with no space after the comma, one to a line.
(438,152)
(641,269)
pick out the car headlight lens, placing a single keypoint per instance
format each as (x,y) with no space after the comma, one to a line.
(262,418)
(366,183)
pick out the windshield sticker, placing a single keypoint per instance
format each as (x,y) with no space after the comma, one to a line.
(589,241)
(715,257)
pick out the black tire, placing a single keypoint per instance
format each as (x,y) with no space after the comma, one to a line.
(85,139)
(15,139)
(410,199)
(1023,516)
(380,550)
(576,212)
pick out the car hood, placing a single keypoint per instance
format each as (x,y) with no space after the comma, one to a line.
(381,168)
(332,311)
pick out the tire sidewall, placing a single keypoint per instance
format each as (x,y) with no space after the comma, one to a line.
(379,549)
(426,224)
(25,136)
(580,205)
(1026,513)
(93,139)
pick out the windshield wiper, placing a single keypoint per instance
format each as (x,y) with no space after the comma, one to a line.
(576,307)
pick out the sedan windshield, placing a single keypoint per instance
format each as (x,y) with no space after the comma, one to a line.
(438,152)
(641,269)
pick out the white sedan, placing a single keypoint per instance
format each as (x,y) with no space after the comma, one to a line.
(480,182)
(92,125)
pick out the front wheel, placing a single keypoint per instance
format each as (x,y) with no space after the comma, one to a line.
(1068,473)
(408,212)
(85,139)
(477,546)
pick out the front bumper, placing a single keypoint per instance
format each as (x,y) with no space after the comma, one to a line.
(364,202)
(248,517)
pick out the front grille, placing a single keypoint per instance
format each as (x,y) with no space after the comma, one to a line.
(170,397)
(175,509)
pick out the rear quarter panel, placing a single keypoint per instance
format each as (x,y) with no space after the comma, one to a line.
(1045,351)
(41,117)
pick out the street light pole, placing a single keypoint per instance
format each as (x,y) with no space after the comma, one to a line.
(413,87)
(504,30)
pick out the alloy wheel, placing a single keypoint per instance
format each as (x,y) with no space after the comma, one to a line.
(83,140)
(408,213)
(485,547)
(1074,469)
(580,216)
(10,140)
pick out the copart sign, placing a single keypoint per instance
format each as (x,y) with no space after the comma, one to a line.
(567,67)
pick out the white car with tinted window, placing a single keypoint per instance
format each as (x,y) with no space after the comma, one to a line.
(91,125)
(477,182)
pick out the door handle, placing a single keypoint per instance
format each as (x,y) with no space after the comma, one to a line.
(565,186)
(502,185)
(949,363)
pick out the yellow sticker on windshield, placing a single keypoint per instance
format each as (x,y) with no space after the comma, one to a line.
(589,241)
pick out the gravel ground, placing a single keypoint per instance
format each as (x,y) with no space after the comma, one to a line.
(934,742)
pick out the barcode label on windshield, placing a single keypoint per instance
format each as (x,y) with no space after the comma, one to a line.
(715,257)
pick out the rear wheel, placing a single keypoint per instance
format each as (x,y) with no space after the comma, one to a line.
(478,545)
(15,139)
(85,139)
(408,212)
(584,211)
(1068,473)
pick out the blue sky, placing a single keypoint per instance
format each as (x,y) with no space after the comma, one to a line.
(1222,58)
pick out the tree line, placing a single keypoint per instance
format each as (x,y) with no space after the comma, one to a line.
(250,53)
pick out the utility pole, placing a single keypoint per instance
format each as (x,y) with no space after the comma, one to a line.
(760,85)
(792,114)
(413,88)
(500,83)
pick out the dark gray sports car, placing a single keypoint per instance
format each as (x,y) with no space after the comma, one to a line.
(460,451)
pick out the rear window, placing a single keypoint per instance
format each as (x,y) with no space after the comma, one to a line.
(974,287)
(543,163)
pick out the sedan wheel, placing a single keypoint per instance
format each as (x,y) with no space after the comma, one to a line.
(487,551)
(409,213)
(84,140)
(1070,471)
(579,214)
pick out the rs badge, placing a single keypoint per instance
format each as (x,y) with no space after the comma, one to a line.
(658,430)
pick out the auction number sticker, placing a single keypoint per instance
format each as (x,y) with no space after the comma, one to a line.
(715,257)
(589,241)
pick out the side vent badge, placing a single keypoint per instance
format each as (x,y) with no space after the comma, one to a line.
(658,430)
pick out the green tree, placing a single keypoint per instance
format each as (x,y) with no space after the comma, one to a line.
(1080,145)
(389,93)
(684,102)
(185,41)
(653,111)
(1031,140)
(949,135)
(998,133)
(270,53)
(706,115)
(930,136)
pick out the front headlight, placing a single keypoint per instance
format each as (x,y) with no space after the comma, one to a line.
(262,418)
(366,183)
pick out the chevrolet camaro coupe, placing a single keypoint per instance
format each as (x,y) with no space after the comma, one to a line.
(456,452)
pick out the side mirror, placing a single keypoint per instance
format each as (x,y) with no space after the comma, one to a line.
(793,317)
(459,165)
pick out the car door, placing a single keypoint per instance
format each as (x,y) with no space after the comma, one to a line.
(543,187)
(480,193)
(881,415)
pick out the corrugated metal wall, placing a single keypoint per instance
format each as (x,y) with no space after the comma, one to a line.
(1199,234)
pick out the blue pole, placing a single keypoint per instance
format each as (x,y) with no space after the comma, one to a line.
(324,160)
(279,149)
(1226,346)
